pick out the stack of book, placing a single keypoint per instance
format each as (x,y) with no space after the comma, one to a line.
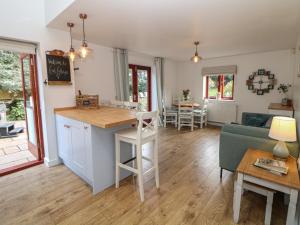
(272,165)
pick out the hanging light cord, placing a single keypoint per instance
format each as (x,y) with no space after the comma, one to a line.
(83,31)
(71,37)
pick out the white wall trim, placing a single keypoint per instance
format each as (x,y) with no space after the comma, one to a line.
(50,163)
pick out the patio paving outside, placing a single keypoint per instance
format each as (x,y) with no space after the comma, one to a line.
(14,151)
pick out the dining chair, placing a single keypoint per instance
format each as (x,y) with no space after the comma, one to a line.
(146,131)
(186,114)
(200,115)
(170,115)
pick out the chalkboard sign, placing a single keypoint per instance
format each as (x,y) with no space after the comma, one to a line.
(58,69)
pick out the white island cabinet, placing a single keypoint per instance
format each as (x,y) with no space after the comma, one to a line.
(74,146)
(86,143)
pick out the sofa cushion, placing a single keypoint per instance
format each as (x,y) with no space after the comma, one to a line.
(255,119)
(259,132)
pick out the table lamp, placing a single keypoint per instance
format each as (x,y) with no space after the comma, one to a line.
(282,129)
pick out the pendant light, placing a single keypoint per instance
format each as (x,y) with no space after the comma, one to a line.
(71,53)
(196,58)
(84,50)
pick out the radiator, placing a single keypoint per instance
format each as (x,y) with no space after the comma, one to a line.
(222,111)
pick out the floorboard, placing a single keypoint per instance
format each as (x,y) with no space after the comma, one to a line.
(191,191)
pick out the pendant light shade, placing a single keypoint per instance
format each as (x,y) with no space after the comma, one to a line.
(84,50)
(71,53)
(196,58)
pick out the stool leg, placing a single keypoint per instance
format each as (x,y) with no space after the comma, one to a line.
(140,171)
(133,162)
(156,162)
(269,208)
(117,146)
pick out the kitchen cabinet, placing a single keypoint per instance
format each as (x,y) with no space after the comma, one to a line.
(74,146)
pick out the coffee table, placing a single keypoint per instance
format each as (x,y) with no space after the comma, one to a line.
(288,184)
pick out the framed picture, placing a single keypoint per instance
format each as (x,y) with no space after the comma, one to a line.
(270,86)
(268,73)
(271,76)
(261,72)
(260,92)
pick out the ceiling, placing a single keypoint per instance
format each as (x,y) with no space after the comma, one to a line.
(168,28)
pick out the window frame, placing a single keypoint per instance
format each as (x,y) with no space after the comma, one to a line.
(220,86)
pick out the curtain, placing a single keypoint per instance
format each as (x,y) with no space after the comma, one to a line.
(159,71)
(121,74)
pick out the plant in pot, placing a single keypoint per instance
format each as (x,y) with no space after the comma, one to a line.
(186,94)
(284,89)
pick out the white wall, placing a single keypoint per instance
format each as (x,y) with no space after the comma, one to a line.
(55,7)
(96,73)
(296,97)
(278,62)
(24,20)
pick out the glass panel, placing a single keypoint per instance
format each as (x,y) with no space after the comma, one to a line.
(228,86)
(213,86)
(143,89)
(130,85)
(27,86)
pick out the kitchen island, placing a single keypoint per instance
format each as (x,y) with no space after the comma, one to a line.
(86,142)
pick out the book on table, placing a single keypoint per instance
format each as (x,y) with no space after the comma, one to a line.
(272,165)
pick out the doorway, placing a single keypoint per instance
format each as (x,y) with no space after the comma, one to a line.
(140,86)
(21,142)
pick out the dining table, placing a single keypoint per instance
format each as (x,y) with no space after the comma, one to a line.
(194,104)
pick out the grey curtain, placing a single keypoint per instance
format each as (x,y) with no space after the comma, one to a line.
(121,74)
(159,71)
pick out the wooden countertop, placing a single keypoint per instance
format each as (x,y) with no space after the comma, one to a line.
(278,106)
(104,117)
(246,167)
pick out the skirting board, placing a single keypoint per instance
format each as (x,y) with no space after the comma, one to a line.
(50,163)
(218,124)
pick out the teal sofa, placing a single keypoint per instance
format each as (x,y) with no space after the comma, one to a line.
(235,139)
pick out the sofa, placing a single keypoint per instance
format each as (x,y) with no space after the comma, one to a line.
(235,139)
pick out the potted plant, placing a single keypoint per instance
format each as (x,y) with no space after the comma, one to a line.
(185,94)
(284,89)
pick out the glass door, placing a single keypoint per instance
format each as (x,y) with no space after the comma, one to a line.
(30,95)
(140,85)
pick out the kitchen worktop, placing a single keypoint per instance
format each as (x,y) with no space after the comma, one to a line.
(103,117)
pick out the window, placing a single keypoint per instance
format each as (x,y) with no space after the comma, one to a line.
(220,83)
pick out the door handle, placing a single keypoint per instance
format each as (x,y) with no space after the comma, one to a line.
(86,127)
(67,126)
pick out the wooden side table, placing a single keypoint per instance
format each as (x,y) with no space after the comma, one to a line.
(280,110)
(288,184)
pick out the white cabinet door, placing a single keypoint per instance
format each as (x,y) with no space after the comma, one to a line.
(79,151)
(63,127)
(75,147)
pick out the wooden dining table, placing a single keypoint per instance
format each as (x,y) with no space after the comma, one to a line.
(195,104)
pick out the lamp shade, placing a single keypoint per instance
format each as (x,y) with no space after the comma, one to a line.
(283,129)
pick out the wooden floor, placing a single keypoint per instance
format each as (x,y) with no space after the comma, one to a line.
(190,193)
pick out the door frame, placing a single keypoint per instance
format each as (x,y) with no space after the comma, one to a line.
(37,118)
(135,83)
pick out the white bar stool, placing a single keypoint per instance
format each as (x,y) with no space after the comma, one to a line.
(146,131)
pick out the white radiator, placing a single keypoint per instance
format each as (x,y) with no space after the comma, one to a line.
(222,111)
